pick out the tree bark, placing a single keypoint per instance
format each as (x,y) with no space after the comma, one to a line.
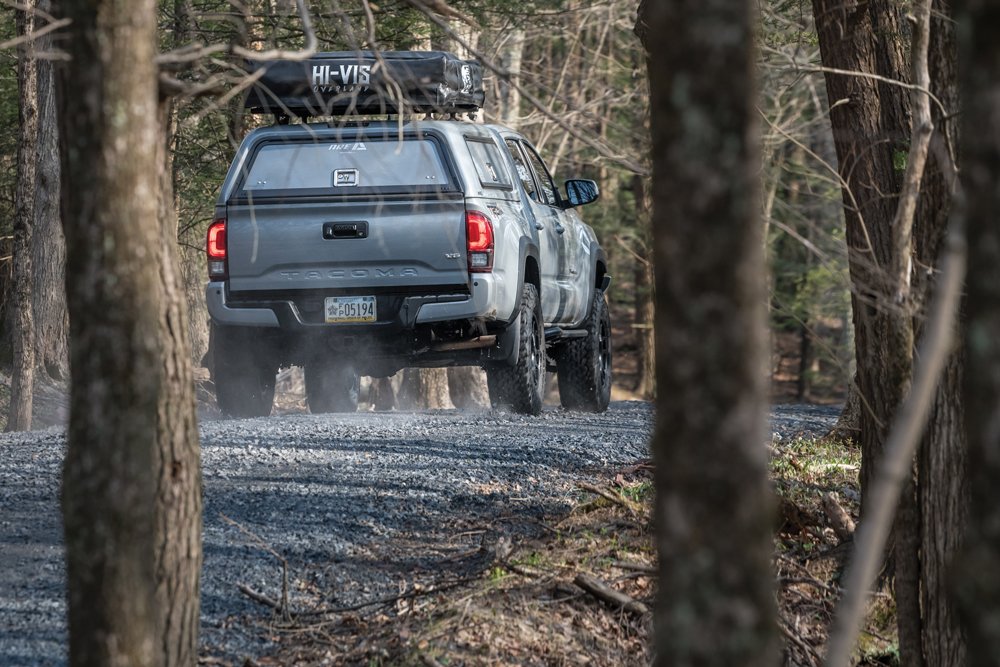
(48,244)
(177,457)
(131,480)
(716,601)
(893,284)
(870,125)
(467,387)
(942,493)
(424,388)
(645,383)
(23,375)
(508,98)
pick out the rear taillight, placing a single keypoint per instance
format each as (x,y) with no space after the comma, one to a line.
(479,232)
(216,247)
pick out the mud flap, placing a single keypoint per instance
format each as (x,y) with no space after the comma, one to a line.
(505,351)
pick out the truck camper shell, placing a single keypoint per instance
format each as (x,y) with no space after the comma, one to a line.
(344,83)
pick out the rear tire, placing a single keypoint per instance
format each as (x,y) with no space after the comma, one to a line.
(243,373)
(521,387)
(583,365)
(331,386)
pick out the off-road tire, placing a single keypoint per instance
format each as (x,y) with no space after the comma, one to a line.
(243,373)
(583,365)
(331,386)
(521,387)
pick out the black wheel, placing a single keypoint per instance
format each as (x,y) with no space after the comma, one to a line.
(331,386)
(243,372)
(522,386)
(583,365)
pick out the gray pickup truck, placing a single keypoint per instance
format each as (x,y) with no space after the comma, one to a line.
(360,248)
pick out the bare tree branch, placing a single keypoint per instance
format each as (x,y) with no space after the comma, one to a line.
(32,36)
(193,53)
(632,165)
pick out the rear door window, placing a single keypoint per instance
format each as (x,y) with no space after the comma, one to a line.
(547,187)
(489,165)
(521,166)
(343,167)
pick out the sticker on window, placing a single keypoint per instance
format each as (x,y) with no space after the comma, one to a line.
(348,148)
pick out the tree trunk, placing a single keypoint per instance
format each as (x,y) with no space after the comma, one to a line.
(177,462)
(508,98)
(131,480)
(424,388)
(805,359)
(48,244)
(107,104)
(848,424)
(467,387)
(645,314)
(942,494)
(716,601)
(382,394)
(977,574)
(645,383)
(869,130)
(932,508)
(23,379)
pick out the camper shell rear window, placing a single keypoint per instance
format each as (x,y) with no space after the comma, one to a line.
(334,167)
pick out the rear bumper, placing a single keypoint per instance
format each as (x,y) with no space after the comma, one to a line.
(221,313)
(410,309)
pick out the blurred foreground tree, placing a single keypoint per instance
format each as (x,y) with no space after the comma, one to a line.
(713,504)
(131,485)
(978,573)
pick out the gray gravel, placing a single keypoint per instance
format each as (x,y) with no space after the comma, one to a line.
(360,506)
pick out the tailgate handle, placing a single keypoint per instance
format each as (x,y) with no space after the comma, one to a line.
(345,230)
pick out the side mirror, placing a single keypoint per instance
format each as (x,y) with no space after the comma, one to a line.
(581,191)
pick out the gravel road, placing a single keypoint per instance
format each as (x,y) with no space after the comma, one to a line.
(360,506)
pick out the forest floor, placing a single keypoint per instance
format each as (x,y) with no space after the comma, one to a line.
(528,607)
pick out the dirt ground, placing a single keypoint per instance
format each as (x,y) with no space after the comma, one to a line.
(529,607)
(525,609)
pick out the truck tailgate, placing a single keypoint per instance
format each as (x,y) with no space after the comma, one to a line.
(347,245)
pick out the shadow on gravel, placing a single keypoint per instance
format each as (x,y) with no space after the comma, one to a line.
(361,507)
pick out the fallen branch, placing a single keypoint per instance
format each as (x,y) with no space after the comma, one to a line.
(525,571)
(391,599)
(603,592)
(258,597)
(636,567)
(282,606)
(810,652)
(618,498)
(429,661)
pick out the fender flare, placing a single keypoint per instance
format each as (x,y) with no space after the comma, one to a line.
(507,346)
(598,257)
(526,248)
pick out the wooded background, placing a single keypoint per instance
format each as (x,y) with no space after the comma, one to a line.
(576,87)
(809,149)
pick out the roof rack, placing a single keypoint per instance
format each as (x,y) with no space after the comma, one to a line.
(344,83)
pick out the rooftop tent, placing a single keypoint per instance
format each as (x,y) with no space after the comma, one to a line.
(363,82)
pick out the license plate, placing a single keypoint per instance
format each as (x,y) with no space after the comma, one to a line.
(350,309)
